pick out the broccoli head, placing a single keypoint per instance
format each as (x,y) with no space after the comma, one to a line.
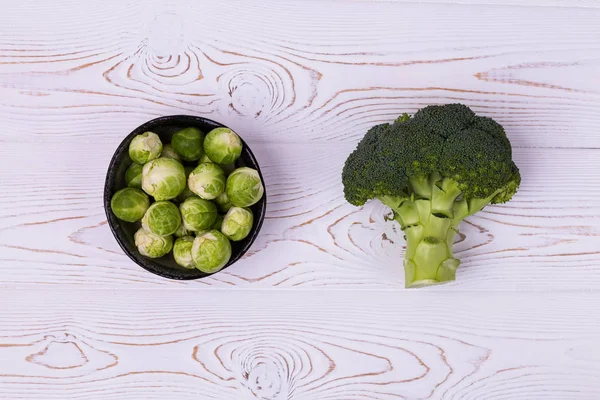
(433,170)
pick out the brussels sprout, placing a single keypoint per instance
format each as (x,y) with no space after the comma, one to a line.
(182,231)
(218,222)
(204,159)
(163,178)
(182,251)
(169,152)
(162,218)
(223,146)
(223,203)
(152,245)
(211,251)
(198,214)
(187,193)
(188,143)
(227,168)
(207,180)
(145,147)
(133,176)
(244,187)
(129,204)
(237,223)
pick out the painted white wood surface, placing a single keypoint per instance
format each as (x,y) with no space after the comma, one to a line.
(318,309)
(184,343)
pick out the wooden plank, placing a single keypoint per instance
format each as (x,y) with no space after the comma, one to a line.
(289,72)
(53,228)
(524,3)
(304,345)
(317,310)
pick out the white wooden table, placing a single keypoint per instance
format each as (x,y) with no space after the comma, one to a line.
(318,309)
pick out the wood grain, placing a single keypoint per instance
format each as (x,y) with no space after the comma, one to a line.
(317,309)
(546,238)
(313,77)
(304,345)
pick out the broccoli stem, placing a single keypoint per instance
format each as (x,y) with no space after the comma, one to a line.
(429,217)
(429,259)
(429,212)
(429,231)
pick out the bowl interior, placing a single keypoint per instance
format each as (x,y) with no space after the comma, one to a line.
(123,231)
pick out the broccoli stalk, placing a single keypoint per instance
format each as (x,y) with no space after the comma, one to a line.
(433,171)
(430,217)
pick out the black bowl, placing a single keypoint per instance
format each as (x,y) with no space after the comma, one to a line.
(123,231)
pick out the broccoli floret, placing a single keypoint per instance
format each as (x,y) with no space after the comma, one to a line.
(433,170)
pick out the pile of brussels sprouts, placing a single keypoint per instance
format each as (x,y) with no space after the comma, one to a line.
(188,202)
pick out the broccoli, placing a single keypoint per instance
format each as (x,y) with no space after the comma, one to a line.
(433,170)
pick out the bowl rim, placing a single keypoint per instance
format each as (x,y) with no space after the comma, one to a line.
(112,220)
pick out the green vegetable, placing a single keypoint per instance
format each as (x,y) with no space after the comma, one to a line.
(129,204)
(182,231)
(152,245)
(218,222)
(204,159)
(207,180)
(169,152)
(223,203)
(211,251)
(244,187)
(163,178)
(198,214)
(223,146)
(182,252)
(432,170)
(145,147)
(237,223)
(227,168)
(162,218)
(188,143)
(133,176)
(173,202)
(187,193)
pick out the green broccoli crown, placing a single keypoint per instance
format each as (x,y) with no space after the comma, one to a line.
(449,140)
